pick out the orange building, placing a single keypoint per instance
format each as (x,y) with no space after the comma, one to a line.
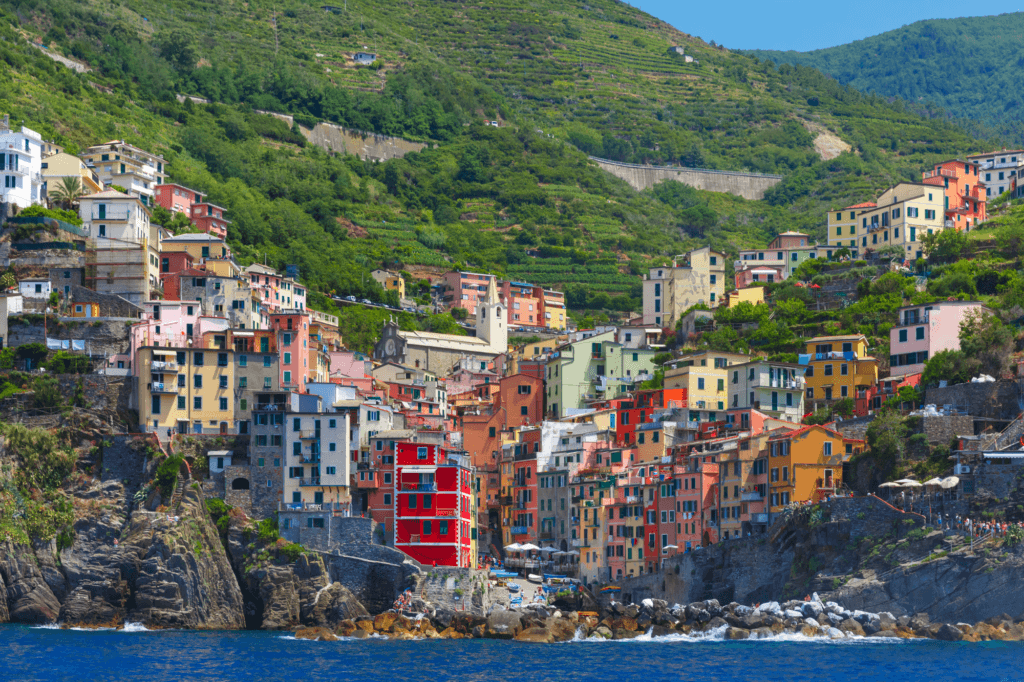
(965,196)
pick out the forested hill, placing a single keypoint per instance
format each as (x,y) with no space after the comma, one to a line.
(563,79)
(969,67)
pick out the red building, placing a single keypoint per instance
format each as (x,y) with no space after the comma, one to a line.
(171,264)
(873,397)
(964,190)
(176,198)
(210,219)
(433,506)
(637,411)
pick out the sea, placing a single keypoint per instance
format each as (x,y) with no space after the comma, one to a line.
(50,653)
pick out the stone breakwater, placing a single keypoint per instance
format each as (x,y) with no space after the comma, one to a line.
(656,618)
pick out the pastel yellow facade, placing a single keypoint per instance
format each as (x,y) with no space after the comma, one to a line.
(188,389)
(704,376)
(901,216)
(59,166)
(390,281)
(837,366)
(751,295)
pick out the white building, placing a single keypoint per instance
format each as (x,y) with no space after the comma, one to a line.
(37,288)
(1001,171)
(123,255)
(317,458)
(119,163)
(20,166)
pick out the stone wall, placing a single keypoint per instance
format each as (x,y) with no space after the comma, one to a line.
(103,338)
(238,498)
(364,145)
(338,531)
(994,400)
(125,463)
(111,305)
(855,428)
(941,430)
(746,185)
(459,589)
(375,574)
(109,394)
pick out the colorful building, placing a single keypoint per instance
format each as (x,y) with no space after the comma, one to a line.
(119,163)
(837,367)
(901,216)
(1001,171)
(390,281)
(210,219)
(964,192)
(177,198)
(922,331)
(435,519)
(806,465)
(56,167)
(774,388)
(704,376)
(695,277)
(783,254)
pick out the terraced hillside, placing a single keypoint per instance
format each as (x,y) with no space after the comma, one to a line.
(563,80)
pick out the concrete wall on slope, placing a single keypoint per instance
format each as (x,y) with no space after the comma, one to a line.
(746,185)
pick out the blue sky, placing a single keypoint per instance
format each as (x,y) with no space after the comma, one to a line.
(805,24)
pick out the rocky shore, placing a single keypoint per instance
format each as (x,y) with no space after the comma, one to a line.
(656,618)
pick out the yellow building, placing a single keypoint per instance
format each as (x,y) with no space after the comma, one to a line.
(899,217)
(837,366)
(389,281)
(806,465)
(59,166)
(751,295)
(531,351)
(85,310)
(187,389)
(695,277)
(200,246)
(704,375)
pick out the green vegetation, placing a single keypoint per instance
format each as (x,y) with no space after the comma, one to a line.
(595,79)
(32,504)
(167,476)
(952,66)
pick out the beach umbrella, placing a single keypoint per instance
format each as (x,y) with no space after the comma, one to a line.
(950,482)
(573,552)
(909,483)
(671,547)
(890,484)
(514,547)
(815,286)
(529,547)
(933,481)
(549,549)
(559,553)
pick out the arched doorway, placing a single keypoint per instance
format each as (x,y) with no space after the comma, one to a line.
(240,484)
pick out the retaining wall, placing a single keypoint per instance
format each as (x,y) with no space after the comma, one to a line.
(364,145)
(994,399)
(746,185)
(103,338)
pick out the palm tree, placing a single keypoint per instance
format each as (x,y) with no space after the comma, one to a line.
(68,191)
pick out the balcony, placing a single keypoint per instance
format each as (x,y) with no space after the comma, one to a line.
(419,487)
(751,497)
(577,542)
(309,459)
(759,518)
(519,530)
(493,504)
(309,434)
(908,320)
(112,214)
(505,500)
(941,173)
(309,482)
(164,366)
(161,387)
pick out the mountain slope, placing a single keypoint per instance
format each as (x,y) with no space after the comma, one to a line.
(969,67)
(520,200)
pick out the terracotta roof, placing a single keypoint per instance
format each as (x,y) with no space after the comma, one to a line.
(866,204)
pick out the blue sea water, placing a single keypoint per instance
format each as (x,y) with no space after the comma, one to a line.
(48,654)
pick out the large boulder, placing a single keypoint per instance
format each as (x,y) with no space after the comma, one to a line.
(317,634)
(949,633)
(811,609)
(503,625)
(736,633)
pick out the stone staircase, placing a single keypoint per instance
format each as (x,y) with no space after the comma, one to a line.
(1010,438)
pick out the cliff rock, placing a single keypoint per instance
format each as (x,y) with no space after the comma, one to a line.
(29,598)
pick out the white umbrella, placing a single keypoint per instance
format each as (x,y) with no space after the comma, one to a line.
(573,553)
(671,547)
(559,552)
(514,547)
(933,481)
(529,547)
(950,482)
(549,549)
(909,483)
(891,484)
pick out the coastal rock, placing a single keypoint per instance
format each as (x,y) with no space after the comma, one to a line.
(736,633)
(949,633)
(604,632)
(811,609)
(29,598)
(852,627)
(626,634)
(503,625)
(317,634)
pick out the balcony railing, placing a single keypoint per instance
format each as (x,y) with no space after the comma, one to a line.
(519,530)
(308,482)
(751,497)
(166,366)
(111,215)
(908,320)
(160,387)
(419,487)
(759,518)
(578,542)
(309,459)
(309,434)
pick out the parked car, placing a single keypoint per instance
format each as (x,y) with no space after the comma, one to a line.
(366,302)
(350,298)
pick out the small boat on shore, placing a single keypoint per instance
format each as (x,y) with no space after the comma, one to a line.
(513,587)
(534,578)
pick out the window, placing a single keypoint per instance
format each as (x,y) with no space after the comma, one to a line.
(700,384)
(919,333)
(721,384)
(181,402)
(525,389)
(426,528)
(331,471)
(828,370)
(223,404)
(844,369)
(197,359)
(903,335)
(287,377)
(197,381)
(197,403)
(421,452)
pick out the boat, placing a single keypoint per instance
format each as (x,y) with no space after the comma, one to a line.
(534,578)
(513,587)
(504,574)
(611,588)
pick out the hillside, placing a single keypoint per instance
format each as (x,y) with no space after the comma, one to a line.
(522,199)
(967,67)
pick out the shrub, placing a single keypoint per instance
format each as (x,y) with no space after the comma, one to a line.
(291,552)
(167,475)
(69,363)
(267,530)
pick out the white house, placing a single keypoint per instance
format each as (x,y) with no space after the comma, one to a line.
(20,166)
(119,163)
(366,58)
(35,288)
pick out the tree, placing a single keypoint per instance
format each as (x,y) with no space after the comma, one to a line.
(945,246)
(886,437)
(68,191)
(459,314)
(947,365)
(177,48)
(987,341)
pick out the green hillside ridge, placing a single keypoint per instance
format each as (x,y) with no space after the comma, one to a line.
(509,200)
(967,67)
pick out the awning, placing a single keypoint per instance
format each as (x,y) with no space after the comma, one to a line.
(157,351)
(1003,455)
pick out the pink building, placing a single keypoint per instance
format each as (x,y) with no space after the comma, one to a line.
(923,330)
(465,290)
(698,501)
(177,198)
(292,329)
(761,273)
(276,291)
(171,324)
(210,219)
